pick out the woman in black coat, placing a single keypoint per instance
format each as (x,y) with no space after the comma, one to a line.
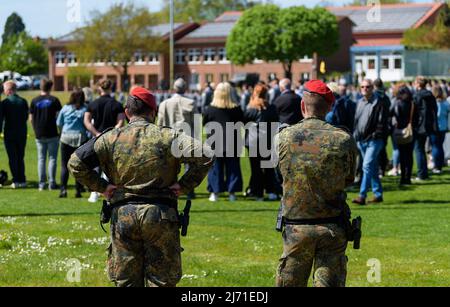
(264,121)
(225,175)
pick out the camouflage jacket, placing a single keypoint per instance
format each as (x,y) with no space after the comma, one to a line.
(317,162)
(142,160)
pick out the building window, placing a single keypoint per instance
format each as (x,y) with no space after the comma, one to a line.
(153,58)
(258,61)
(180,56)
(60,58)
(194,56)
(209,78)
(398,64)
(139,58)
(271,76)
(306,59)
(224,77)
(195,81)
(71,59)
(371,64)
(209,56)
(223,56)
(385,63)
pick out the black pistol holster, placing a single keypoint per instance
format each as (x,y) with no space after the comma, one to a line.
(280,219)
(184,218)
(353,228)
(105,214)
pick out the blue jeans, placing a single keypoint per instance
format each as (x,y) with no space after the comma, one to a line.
(437,142)
(229,168)
(421,156)
(50,147)
(395,154)
(370,151)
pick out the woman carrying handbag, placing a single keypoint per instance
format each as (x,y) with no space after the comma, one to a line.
(402,116)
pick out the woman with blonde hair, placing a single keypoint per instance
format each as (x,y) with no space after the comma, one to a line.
(264,118)
(225,175)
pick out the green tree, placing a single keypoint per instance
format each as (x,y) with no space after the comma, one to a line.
(116,35)
(200,10)
(13,26)
(269,33)
(430,36)
(80,76)
(23,54)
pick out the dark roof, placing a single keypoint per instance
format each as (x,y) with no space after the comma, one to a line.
(397,17)
(162,30)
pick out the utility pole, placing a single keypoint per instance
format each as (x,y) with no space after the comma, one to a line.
(172,43)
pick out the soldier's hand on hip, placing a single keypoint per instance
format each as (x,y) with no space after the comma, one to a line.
(176,189)
(109,192)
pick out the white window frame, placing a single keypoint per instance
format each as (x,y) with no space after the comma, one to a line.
(209,56)
(139,58)
(223,56)
(72,59)
(180,56)
(306,59)
(60,58)
(153,58)
(194,56)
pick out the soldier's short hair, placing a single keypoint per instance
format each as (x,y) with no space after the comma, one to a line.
(136,107)
(315,104)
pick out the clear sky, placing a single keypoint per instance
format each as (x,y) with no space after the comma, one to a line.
(47,18)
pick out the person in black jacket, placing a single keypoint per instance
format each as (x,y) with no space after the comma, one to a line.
(264,119)
(288,104)
(371,128)
(225,175)
(13,122)
(425,123)
(401,111)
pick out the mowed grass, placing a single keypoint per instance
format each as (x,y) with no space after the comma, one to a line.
(229,244)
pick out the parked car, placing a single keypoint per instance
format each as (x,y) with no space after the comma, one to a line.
(21,83)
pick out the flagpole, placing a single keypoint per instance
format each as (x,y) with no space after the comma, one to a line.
(172,39)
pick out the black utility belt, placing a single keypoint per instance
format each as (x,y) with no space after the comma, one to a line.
(329,220)
(144,201)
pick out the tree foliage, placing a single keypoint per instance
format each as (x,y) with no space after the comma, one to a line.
(23,54)
(201,10)
(435,36)
(269,33)
(13,26)
(116,35)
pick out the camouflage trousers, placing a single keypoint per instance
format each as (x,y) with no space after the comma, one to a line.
(145,247)
(321,247)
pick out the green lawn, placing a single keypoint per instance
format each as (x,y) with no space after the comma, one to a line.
(228,244)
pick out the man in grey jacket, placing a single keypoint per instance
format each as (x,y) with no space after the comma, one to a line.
(177,113)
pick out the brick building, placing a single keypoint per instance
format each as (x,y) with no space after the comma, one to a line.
(200,57)
(378,35)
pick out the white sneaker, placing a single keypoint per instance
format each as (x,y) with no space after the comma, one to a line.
(273,197)
(232,197)
(214,197)
(393,173)
(14,185)
(93,198)
(437,172)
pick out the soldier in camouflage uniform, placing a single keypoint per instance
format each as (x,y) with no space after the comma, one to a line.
(317,162)
(140,163)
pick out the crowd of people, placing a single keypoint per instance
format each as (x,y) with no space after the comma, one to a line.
(414,115)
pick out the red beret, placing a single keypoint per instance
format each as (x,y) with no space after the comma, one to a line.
(145,95)
(320,88)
